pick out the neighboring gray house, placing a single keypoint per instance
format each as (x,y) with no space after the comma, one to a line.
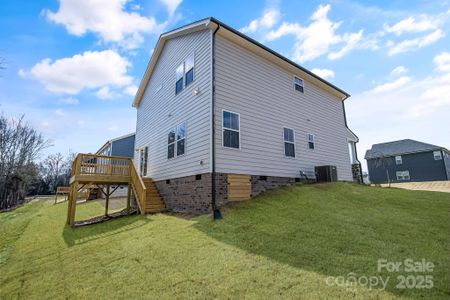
(221,117)
(121,146)
(407,160)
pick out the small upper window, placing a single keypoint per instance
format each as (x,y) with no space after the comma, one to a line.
(189,70)
(311,142)
(289,142)
(437,155)
(298,84)
(398,160)
(230,124)
(402,175)
(179,79)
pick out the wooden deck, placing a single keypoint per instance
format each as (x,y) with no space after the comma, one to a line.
(103,171)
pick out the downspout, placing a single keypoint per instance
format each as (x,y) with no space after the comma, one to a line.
(216,211)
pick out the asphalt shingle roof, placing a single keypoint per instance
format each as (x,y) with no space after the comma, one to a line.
(398,148)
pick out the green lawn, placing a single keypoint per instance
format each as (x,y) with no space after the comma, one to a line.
(284,244)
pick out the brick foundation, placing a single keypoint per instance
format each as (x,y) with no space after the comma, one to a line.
(261,184)
(192,194)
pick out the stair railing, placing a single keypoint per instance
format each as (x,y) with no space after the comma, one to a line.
(138,187)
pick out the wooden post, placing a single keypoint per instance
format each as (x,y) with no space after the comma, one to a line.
(56,196)
(69,205)
(73,205)
(107,200)
(128,198)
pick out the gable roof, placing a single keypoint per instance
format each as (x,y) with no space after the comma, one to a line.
(398,148)
(240,38)
(109,142)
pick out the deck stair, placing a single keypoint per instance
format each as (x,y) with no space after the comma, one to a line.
(100,173)
(153,201)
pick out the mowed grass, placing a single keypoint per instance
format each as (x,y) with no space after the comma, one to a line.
(285,244)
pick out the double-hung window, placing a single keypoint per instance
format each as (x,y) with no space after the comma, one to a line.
(289,142)
(189,70)
(184,72)
(402,175)
(437,155)
(179,79)
(181,138)
(298,84)
(311,142)
(398,160)
(230,124)
(176,141)
(171,144)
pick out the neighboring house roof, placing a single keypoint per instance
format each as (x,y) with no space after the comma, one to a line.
(241,39)
(109,142)
(398,148)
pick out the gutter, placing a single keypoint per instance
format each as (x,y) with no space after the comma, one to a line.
(216,212)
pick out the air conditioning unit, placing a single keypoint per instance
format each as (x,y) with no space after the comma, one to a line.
(326,173)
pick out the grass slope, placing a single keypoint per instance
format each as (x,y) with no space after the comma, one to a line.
(284,244)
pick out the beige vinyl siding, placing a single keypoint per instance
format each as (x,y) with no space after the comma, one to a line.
(160,111)
(264,96)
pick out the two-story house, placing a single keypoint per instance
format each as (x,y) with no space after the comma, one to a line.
(221,117)
(407,160)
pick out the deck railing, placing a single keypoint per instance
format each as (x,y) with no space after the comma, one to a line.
(92,164)
(101,165)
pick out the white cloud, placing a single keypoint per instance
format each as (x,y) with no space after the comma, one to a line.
(391,86)
(352,41)
(410,24)
(131,90)
(60,112)
(171,5)
(442,62)
(69,100)
(398,71)
(416,109)
(105,18)
(324,73)
(416,43)
(89,70)
(104,93)
(266,21)
(319,37)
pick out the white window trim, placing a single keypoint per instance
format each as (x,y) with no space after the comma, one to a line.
(185,71)
(184,138)
(313,141)
(402,176)
(238,131)
(175,142)
(284,141)
(303,84)
(182,78)
(398,162)
(440,155)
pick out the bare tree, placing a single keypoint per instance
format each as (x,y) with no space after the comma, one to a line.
(384,162)
(20,144)
(56,170)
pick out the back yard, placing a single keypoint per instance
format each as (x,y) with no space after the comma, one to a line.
(296,242)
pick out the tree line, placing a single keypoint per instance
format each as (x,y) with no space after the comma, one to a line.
(23,172)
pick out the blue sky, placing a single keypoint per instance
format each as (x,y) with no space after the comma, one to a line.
(72,67)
